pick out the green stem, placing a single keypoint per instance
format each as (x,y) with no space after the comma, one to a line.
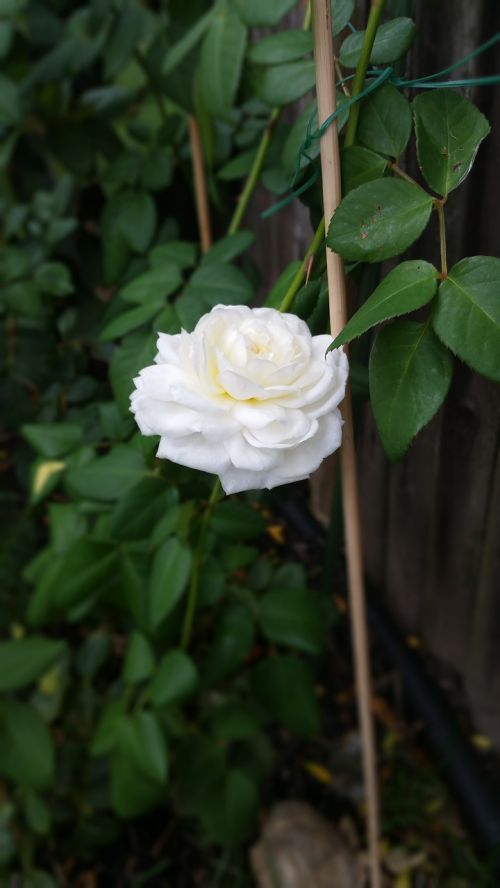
(439,205)
(254,174)
(376,10)
(194,586)
(301,272)
(256,170)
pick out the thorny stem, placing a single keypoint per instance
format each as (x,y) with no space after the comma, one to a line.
(194,585)
(376,10)
(439,205)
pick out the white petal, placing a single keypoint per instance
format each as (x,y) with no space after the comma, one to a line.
(194,452)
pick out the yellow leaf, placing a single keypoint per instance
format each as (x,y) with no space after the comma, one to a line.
(50,682)
(44,472)
(319,772)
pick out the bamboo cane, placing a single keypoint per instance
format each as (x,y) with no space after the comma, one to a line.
(200,186)
(330,168)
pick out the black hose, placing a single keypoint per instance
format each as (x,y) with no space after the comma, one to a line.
(460,764)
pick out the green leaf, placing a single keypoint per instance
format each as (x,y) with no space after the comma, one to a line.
(136,219)
(293,617)
(54,278)
(135,352)
(232,644)
(407,287)
(139,661)
(212,284)
(385,121)
(342,11)
(283,84)
(449,130)
(37,814)
(22,661)
(277,293)
(379,220)
(237,167)
(232,520)
(175,678)
(129,320)
(124,36)
(53,439)
(261,13)
(296,138)
(221,60)
(467,316)
(359,165)
(273,681)
(228,814)
(141,507)
(182,254)
(115,249)
(393,39)
(139,766)
(79,574)
(177,52)
(107,477)
(108,728)
(153,286)
(228,248)
(169,577)
(26,747)
(234,722)
(410,374)
(283,47)
(9,102)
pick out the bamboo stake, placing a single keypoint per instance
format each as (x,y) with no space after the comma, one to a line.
(200,186)
(330,169)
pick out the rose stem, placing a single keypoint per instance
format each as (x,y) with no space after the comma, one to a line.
(192,598)
(200,186)
(260,156)
(376,10)
(330,168)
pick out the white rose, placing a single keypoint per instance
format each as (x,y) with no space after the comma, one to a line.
(248,395)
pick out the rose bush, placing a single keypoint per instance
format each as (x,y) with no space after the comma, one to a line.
(249,395)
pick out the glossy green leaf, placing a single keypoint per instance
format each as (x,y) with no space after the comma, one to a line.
(129,320)
(139,661)
(221,60)
(212,284)
(407,287)
(379,220)
(410,374)
(385,121)
(136,219)
(342,11)
(135,352)
(296,137)
(467,316)
(449,131)
(79,574)
(293,617)
(107,477)
(124,36)
(169,577)
(24,660)
(54,278)
(153,286)
(175,678)
(283,84)
(359,165)
(26,746)
(261,13)
(108,728)
(53,439)
(237,167)
(181,254)
(393,39)
(228,248)
(234,722)
(232,520)
(115,249)
(283,47)
(273,681)
(141,507)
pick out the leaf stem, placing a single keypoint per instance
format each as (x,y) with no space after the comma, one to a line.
(376,10)
(194,585)
(301,272)
(258,162)
(439,205)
